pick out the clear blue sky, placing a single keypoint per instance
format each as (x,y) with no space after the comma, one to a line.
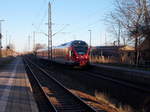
(22,17)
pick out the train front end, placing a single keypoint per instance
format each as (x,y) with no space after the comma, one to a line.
(81,53)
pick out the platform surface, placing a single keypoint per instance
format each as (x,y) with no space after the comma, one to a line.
(15,90)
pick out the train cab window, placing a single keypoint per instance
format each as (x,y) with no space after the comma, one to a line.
(81,49)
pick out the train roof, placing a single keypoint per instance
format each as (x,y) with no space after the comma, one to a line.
(71,43)
(43,49)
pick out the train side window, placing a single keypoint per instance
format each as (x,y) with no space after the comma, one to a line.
(72,53)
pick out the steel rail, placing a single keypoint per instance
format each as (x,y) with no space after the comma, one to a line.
(113,79)
(49,104)
(88,108)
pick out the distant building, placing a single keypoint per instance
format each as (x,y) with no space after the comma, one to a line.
(145,51)
(112,54)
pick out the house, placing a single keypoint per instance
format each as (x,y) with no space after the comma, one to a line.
(144,49)
(113,54)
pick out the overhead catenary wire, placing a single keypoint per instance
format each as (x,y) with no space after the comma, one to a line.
(39,13)
(45,14)
(37,27)
(77,30)
(87,26)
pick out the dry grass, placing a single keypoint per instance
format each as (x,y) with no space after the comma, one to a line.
(104,98)
(102,59)
(125,108)
(92,98)
(95,102)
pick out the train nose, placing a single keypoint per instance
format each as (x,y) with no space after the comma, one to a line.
(83,60)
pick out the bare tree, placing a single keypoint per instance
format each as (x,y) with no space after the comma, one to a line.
(131,18)
(39,46)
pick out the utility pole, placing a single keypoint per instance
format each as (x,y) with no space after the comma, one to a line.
(9,40)
(49,32)
(6,43)
(90,41)
(100,38)
(119,31)
(33,40)
(90,36)
(29,42)
(1,37)
(119,34)
(6,38)
(105,39)
(9,45)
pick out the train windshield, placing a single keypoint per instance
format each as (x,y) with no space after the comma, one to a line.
(80,47)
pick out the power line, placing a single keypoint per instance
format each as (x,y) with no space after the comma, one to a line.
(44,6)
(86,26)
(44,16)
(53,2)
(42,20)
(60,30)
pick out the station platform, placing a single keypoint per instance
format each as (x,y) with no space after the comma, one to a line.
(15,89)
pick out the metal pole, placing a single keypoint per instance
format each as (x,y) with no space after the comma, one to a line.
(6,43)
(29,42)
(90,36)
(33,41)
(90,42)
(119,34)
(1,38)
(105,39)
(49,32)
(0,41)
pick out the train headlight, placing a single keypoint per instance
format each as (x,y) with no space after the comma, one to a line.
(86,57)
(77,57)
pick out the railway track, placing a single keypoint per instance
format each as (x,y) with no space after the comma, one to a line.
(131,92)
(126,83)
(44,105)
(97,75)
(133,76)
(138,87)
(101,75)
(60,98)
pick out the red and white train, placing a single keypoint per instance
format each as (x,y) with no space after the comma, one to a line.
(73,53)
